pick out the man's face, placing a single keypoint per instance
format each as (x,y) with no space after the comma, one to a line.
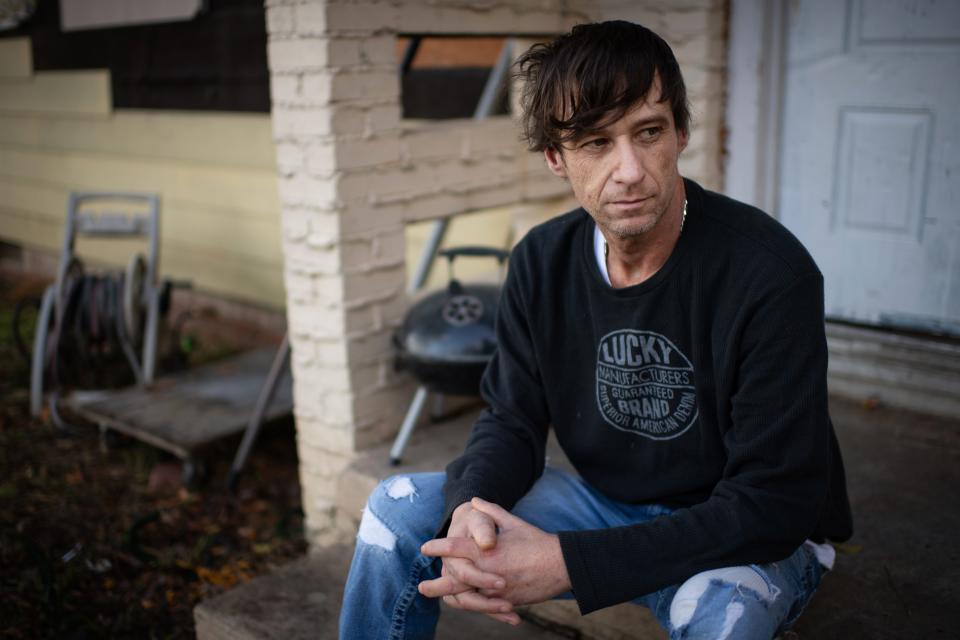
(625,175)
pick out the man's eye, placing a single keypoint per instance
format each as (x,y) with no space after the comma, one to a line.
(650,133)
(595,143)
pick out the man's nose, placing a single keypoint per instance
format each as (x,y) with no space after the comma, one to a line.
(629,163)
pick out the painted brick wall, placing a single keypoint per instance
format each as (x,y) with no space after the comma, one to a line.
(352,173)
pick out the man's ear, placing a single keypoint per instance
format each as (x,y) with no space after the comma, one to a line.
(554,158)
(683,137)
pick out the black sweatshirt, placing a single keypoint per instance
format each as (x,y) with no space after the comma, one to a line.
(702,388)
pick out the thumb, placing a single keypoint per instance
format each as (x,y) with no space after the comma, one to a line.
(503,518)
(483,530)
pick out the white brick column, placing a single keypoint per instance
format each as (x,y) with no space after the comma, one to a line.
(336,111)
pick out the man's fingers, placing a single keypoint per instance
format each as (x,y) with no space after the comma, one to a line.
(443,586)
(509,618)
(446,547)
(473,601)
(457,576)
(466,572)
(503,518)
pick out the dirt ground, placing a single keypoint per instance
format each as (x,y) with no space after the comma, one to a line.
(108,543)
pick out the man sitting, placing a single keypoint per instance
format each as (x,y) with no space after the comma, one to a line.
(673,338)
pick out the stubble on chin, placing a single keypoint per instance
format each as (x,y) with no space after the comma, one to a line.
(625,230)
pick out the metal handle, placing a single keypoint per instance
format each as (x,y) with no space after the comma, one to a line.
(475,252)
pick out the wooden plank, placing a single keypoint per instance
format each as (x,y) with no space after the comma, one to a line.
(187,412)
(16,58)
(252,237)
(251,191)
(58,92)
(223,139)
(221,272)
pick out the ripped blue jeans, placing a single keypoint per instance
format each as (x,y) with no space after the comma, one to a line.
(381,600)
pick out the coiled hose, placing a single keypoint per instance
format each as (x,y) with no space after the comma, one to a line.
(89,343)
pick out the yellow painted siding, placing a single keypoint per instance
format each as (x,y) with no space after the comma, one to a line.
(16,58)
(214,173)
(58,92)
(224,139)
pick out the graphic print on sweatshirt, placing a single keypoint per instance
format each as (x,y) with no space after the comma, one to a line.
(645,384)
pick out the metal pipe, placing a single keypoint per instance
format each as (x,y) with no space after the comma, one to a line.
(409,54)
(409,422)
(425,264)
(39,354)
(277,369)
(491,90)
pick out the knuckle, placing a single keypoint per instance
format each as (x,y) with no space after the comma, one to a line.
(460,570)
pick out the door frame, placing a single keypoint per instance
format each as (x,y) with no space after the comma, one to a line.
(755,85)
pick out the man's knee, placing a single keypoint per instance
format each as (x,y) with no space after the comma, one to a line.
(395,509)
(725,596)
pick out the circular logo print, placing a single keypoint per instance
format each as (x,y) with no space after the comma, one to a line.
(645,384)
(463,310)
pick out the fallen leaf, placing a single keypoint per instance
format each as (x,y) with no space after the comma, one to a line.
(846,548)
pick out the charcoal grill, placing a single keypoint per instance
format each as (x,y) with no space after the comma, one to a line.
(447,339)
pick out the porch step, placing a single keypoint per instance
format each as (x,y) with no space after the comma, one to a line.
(902,371)
(302,601)
(430,449)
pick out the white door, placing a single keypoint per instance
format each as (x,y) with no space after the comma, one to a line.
(870,156)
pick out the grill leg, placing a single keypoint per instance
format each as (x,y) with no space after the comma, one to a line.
(437,412)
(409,422)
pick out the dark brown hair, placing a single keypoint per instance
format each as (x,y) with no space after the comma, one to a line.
(590,77)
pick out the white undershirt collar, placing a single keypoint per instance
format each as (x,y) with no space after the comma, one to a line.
(598,245)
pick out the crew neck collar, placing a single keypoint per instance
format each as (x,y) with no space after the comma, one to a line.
(593,249)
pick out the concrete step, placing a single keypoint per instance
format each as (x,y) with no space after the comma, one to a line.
(302,600)
(902,371)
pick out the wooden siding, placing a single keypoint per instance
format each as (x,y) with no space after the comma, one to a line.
(214,172)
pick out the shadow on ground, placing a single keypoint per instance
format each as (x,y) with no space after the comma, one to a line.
(900,576)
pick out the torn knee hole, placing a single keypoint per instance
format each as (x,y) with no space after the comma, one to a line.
(745,582)
(374,532)
(401,487)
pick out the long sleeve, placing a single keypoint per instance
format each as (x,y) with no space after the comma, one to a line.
(504,455)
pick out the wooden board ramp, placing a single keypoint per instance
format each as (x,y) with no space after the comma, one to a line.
(186,412)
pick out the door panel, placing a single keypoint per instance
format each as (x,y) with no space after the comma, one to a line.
(870,159)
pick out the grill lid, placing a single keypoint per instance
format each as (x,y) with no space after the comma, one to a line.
(455,325)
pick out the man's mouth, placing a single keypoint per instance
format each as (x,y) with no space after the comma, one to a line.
(628,202)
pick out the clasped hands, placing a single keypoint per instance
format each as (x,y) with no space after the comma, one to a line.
(493,560)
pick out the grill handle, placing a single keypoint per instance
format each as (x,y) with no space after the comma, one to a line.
(473,251)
